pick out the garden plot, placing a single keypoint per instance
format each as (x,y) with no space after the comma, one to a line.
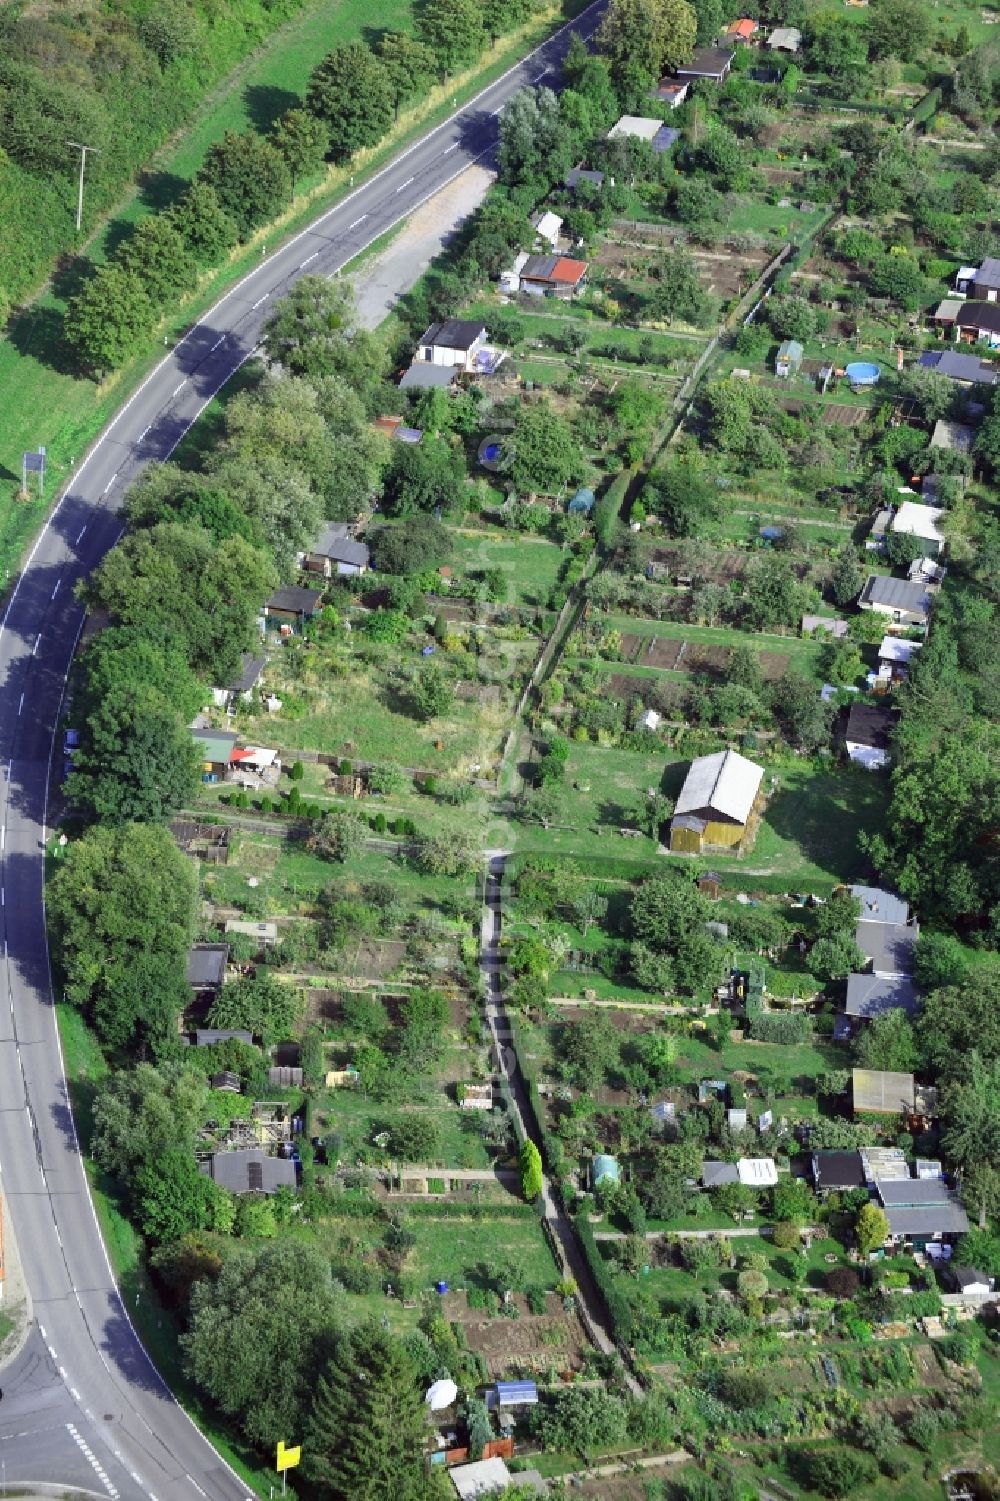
(531,1342)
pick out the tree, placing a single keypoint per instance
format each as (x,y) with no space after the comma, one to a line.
(970,1105)
(409,66)
(791,317)
(543,453)
(303,140)
(271,1309)
(589,908)
(940,959)
(109,319)
(805,717)
(364,1439)
(958,1019)
(898,28)
(589,1049)
(536,144)
(309,332)
(683,497)
(847,578)
(144,1114)
(156,253)
(173,1198)
(791,1200)
(530,1164)
(751,1285)
(887,1042)
(432,692)
(138,762)
(250,177)
(871,1228)
(453,30)
(651,35)
(171,580)
(678,292)
(424,477)
(203,224)
(119,896)
(262,1005)
(736,1199)
(786,1236)
(351,93)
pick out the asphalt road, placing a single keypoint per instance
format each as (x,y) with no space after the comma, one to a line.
(82,1404)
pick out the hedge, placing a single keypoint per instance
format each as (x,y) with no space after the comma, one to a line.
(780,1026)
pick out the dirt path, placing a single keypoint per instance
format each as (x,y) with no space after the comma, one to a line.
(569,1252)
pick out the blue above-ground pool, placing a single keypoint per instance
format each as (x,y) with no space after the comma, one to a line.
(862,373)
(491,451)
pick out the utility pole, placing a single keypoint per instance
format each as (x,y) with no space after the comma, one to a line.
(79,146)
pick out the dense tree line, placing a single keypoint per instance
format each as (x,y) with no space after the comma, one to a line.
(248,178)
(119,78)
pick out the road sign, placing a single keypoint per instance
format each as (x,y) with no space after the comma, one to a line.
(287,1458)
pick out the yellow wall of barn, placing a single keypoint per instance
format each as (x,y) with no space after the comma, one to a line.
(716,836)
(723,834)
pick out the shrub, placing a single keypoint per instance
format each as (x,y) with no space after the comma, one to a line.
(786,1236)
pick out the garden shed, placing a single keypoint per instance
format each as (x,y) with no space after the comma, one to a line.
(715,803)
(789,358)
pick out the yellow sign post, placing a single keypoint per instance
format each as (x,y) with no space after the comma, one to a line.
(286,1460)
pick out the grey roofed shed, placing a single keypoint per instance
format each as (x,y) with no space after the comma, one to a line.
(879,905)
(989,272)
(962,367)
(921,1206)
(206,965)
(249,674)
(293,600)
(708,62)
(285,1077)
(718,1174)
(870,995)
(888,945)
(785,39)
(453,333)
(896,594)
(423,375)
(838,1170)
(725,782)
(251,1171)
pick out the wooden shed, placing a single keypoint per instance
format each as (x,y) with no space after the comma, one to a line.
(715,803)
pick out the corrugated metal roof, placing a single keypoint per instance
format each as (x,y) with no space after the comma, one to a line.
(880,1090)
(725,783)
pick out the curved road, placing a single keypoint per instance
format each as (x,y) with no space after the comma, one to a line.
(82,1403)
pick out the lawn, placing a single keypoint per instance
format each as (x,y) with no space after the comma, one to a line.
(531,564)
